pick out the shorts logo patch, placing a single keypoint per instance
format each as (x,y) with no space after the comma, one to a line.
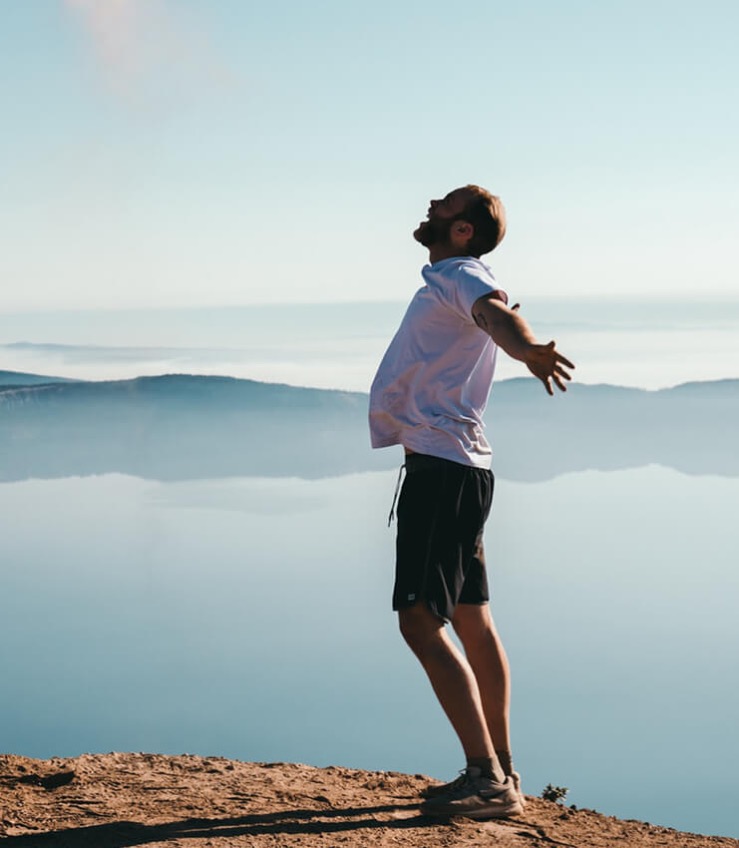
(412,597)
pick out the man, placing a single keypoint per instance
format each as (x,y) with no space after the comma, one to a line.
(429,395)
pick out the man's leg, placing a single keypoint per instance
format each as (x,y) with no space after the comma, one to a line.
(474,625)
(453,681)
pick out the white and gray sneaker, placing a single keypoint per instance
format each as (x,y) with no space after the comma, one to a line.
(435,790)
(475,797)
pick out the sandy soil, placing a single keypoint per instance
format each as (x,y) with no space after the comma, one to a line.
(120,800)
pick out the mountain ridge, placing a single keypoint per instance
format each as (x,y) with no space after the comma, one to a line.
(184,426)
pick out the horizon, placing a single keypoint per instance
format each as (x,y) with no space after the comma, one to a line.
(709,298)
(646,343)
(191,374)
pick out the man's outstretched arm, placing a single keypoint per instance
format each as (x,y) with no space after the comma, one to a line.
(511,332)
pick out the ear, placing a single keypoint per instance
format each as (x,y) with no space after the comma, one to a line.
(461,233)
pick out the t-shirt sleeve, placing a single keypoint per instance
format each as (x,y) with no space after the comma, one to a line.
(471,283)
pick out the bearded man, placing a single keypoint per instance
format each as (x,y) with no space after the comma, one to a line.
(429,396)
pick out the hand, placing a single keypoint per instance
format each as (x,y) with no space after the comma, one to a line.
(547,364)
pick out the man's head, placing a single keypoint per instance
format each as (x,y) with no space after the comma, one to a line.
(469,221)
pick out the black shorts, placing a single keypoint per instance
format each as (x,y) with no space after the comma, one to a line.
(442,510)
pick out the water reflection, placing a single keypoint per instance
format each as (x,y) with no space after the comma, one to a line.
(185,428)
(250,618)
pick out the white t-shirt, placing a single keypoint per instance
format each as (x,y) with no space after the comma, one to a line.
(433,383)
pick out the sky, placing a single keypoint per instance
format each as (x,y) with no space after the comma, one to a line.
(166,153)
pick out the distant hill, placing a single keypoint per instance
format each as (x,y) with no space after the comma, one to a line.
(177,427)
(18,378)
(691,427)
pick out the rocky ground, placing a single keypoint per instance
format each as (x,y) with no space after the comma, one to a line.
(121,800)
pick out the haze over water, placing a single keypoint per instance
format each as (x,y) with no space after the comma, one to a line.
(650,343)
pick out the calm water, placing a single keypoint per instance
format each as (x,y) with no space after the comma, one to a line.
(250,618)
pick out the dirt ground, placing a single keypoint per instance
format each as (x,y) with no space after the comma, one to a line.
(121,800)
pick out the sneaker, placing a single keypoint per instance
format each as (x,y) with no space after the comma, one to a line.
(476,797)
(437,790)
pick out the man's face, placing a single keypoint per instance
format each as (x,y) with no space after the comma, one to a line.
(441,216)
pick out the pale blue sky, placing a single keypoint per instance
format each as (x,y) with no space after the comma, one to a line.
(191,152)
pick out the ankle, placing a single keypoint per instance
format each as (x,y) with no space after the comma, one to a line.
(486,766)
(506,761)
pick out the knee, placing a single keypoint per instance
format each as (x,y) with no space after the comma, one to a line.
(473,625)
(419,627)
(409,630)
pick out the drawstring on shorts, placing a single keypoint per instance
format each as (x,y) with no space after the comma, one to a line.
(395,496)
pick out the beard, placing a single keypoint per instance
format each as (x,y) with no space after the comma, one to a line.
(433,232)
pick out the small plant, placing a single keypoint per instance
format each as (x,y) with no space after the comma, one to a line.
(554,793)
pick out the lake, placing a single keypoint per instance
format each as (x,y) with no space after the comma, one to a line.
(250,618)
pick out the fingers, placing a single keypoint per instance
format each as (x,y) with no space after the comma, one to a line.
(549,365)
(556,373)
(560,385)
(558,356)
(557,381)
(564,360)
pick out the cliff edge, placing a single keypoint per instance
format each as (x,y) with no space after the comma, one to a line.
(121,800)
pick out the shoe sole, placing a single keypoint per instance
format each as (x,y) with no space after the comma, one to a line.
(514,809)
(437,791)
